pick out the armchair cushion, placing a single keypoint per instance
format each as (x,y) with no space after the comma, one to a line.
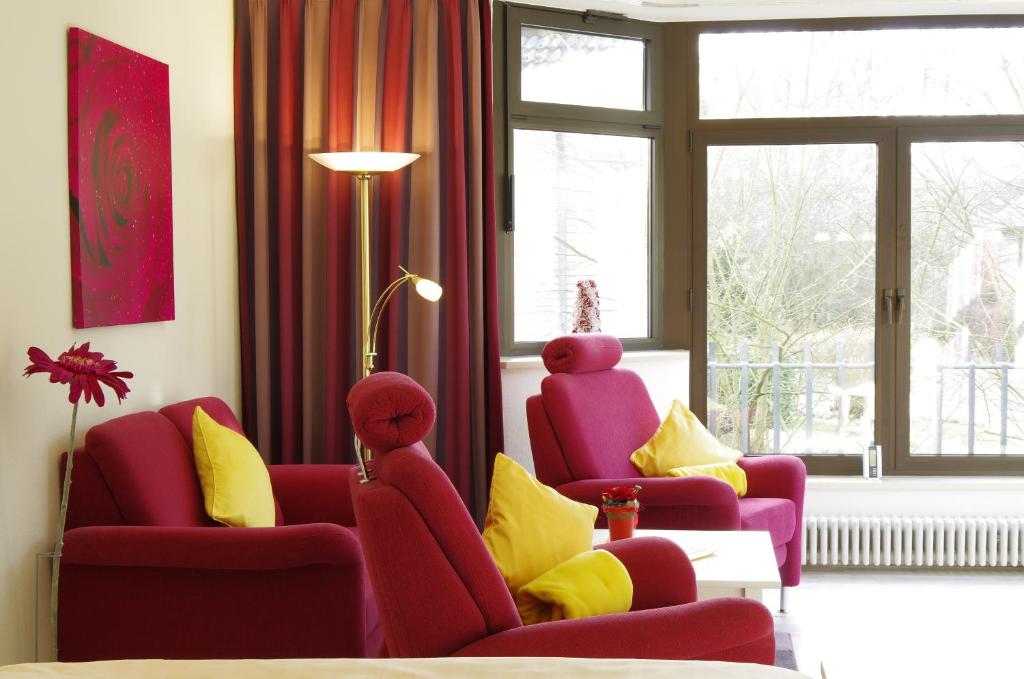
(390,411)
(729,472)
(739,630)
(659,569)
(589,584)
(582,353)
(149,470)
(530,528)
(775,515)
(680,441)
(234,479)
(599,418)
(212,548)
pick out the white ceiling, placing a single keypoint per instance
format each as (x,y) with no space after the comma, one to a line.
(716,10)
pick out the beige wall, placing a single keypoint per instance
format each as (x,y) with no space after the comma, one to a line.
(195,354)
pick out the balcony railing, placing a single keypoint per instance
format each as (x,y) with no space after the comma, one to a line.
(839,368)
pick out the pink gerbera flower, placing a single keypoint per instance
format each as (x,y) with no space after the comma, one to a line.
(86,371)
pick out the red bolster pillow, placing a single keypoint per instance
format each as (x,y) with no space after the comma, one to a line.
(582,353)
(390,410)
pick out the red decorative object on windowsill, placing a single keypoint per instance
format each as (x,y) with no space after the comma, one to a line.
(621,508)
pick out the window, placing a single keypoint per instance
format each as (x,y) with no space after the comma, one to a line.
(583,177)
(582,69)
(889,72)
(858,194)
(828,214)
(583,206)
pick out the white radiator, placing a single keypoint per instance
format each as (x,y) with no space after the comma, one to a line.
(913,541)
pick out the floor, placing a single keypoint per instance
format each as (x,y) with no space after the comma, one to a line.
(897,624)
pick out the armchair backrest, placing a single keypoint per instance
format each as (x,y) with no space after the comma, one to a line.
(437,587)
(148,469)
(139,470)
(590,416)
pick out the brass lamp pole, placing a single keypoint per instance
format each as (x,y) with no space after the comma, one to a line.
(364,165)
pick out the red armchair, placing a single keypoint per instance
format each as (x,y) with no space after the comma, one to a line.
(146,574)
(590,416)
(440,593)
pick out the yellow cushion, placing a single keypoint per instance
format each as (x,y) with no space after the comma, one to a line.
(529,528)
(730,472)
(680,441)
(590,583)
(235,480)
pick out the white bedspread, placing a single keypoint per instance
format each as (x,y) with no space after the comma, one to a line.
(418,668)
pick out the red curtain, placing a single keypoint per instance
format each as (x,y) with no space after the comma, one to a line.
(392,75)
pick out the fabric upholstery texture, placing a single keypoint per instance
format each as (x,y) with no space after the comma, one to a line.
(149,470)
(390,411)
(581,353)
(530,528)
(583,428)
(730,472)
(591,583)
(234,479)
(599,418)
(659,569)
(680,441)
(414,530)
(142,580)
(772,514)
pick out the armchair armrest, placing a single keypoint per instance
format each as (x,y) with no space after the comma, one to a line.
(781,476)
(658,491)
(313,493)
(737,630)
(170,592)
(246,549)
(661,572)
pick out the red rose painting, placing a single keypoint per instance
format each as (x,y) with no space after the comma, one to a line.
(119,143)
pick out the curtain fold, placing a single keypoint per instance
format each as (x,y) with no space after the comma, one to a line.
(391,75)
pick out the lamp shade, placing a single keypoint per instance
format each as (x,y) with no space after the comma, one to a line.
(364,162)
(427,289)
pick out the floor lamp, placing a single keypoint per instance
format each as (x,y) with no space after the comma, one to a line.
(364,165)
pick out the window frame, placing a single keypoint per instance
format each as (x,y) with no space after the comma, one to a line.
(529,115)
(901,130)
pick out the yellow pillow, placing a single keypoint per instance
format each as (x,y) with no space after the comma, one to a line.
(680,441)
(235,481)
(730,472)
(529,528)
(591,583)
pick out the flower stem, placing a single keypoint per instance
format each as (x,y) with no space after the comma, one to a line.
(58,545)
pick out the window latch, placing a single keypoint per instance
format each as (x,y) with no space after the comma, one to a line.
(510,204)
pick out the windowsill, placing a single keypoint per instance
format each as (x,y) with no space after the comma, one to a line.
(628,357)
(916,483)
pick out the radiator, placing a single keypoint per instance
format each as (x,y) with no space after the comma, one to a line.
(895,541)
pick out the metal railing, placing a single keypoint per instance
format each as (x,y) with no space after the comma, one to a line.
(840,367)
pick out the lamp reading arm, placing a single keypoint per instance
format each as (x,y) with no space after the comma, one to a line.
(378,311)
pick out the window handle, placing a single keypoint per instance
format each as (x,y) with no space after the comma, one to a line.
(510,204)
(887,305)
(901,295)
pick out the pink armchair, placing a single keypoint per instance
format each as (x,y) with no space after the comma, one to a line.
(146,574)
(590,416)
(439,592)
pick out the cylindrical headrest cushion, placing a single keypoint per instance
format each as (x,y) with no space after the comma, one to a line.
(582,353)
(390,410)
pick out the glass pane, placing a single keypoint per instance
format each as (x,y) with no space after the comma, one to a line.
(935,71)
(791,280)
(582,212)
(564,67)
(967,310)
